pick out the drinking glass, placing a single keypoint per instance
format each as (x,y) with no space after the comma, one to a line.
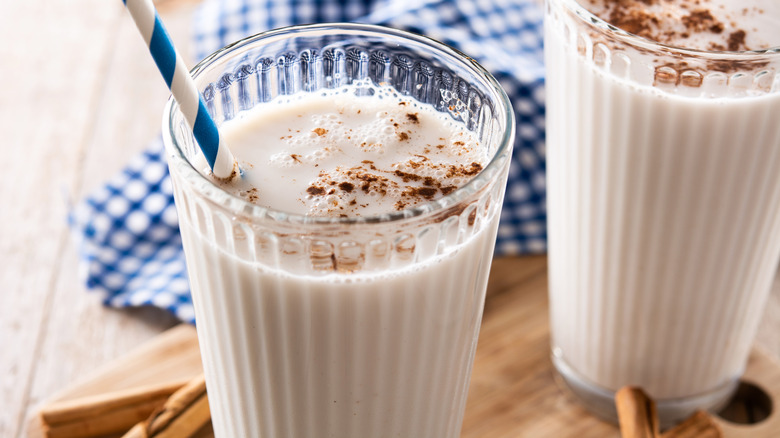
(340,326)
(663,179)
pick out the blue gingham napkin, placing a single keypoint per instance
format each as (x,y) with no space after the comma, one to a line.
(128,232)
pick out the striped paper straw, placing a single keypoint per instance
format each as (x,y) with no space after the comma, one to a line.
(182,86)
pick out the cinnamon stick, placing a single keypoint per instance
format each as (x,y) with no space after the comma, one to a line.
(698,425)
(184,414)
(104,414)
(636,413)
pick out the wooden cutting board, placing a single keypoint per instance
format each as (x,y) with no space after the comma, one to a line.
(513,392)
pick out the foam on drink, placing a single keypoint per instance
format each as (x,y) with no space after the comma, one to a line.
(713,25)
(354,155)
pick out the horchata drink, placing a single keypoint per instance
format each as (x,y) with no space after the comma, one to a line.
(663,161)
(339,282)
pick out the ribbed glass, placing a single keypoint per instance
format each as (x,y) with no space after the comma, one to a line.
(664,211)
(340,327)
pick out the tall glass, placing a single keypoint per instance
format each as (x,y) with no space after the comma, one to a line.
(664,211)
(340,327)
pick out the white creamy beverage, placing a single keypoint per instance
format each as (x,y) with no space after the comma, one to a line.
(338,154)
(713,25)
(371,337)
(663,195)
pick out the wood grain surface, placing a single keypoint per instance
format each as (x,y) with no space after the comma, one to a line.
(80,97)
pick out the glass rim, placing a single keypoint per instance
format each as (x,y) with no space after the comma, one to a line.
(209,189)
(592,20)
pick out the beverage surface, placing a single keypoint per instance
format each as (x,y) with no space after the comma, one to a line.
(338,154)
(713,25)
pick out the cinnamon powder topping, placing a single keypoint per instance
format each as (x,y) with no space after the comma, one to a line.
(736,40)
(315,191)
(701,20)
(634,21)
(682,23)
(411,187)
(389,158)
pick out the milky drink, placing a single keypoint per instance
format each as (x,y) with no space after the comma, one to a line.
(367,335)
(337,154)
(339,282)
(663,194)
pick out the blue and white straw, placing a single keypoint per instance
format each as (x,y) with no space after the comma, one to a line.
(182,86)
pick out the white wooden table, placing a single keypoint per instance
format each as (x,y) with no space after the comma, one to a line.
(80,96)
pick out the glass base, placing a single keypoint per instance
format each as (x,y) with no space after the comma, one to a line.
(601,401)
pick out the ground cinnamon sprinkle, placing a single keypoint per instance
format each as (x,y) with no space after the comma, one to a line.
(315,191)
(701,20)
(736,40)
(425,192)
(471,170)
(650,19)
(693,24)
(634,21)
(252,195)
(412,187)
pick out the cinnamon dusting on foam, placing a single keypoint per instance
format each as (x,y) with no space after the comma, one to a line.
(338,159)
(409,187)
(693,24)
(707,25)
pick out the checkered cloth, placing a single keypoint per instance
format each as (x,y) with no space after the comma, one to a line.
(128,232)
